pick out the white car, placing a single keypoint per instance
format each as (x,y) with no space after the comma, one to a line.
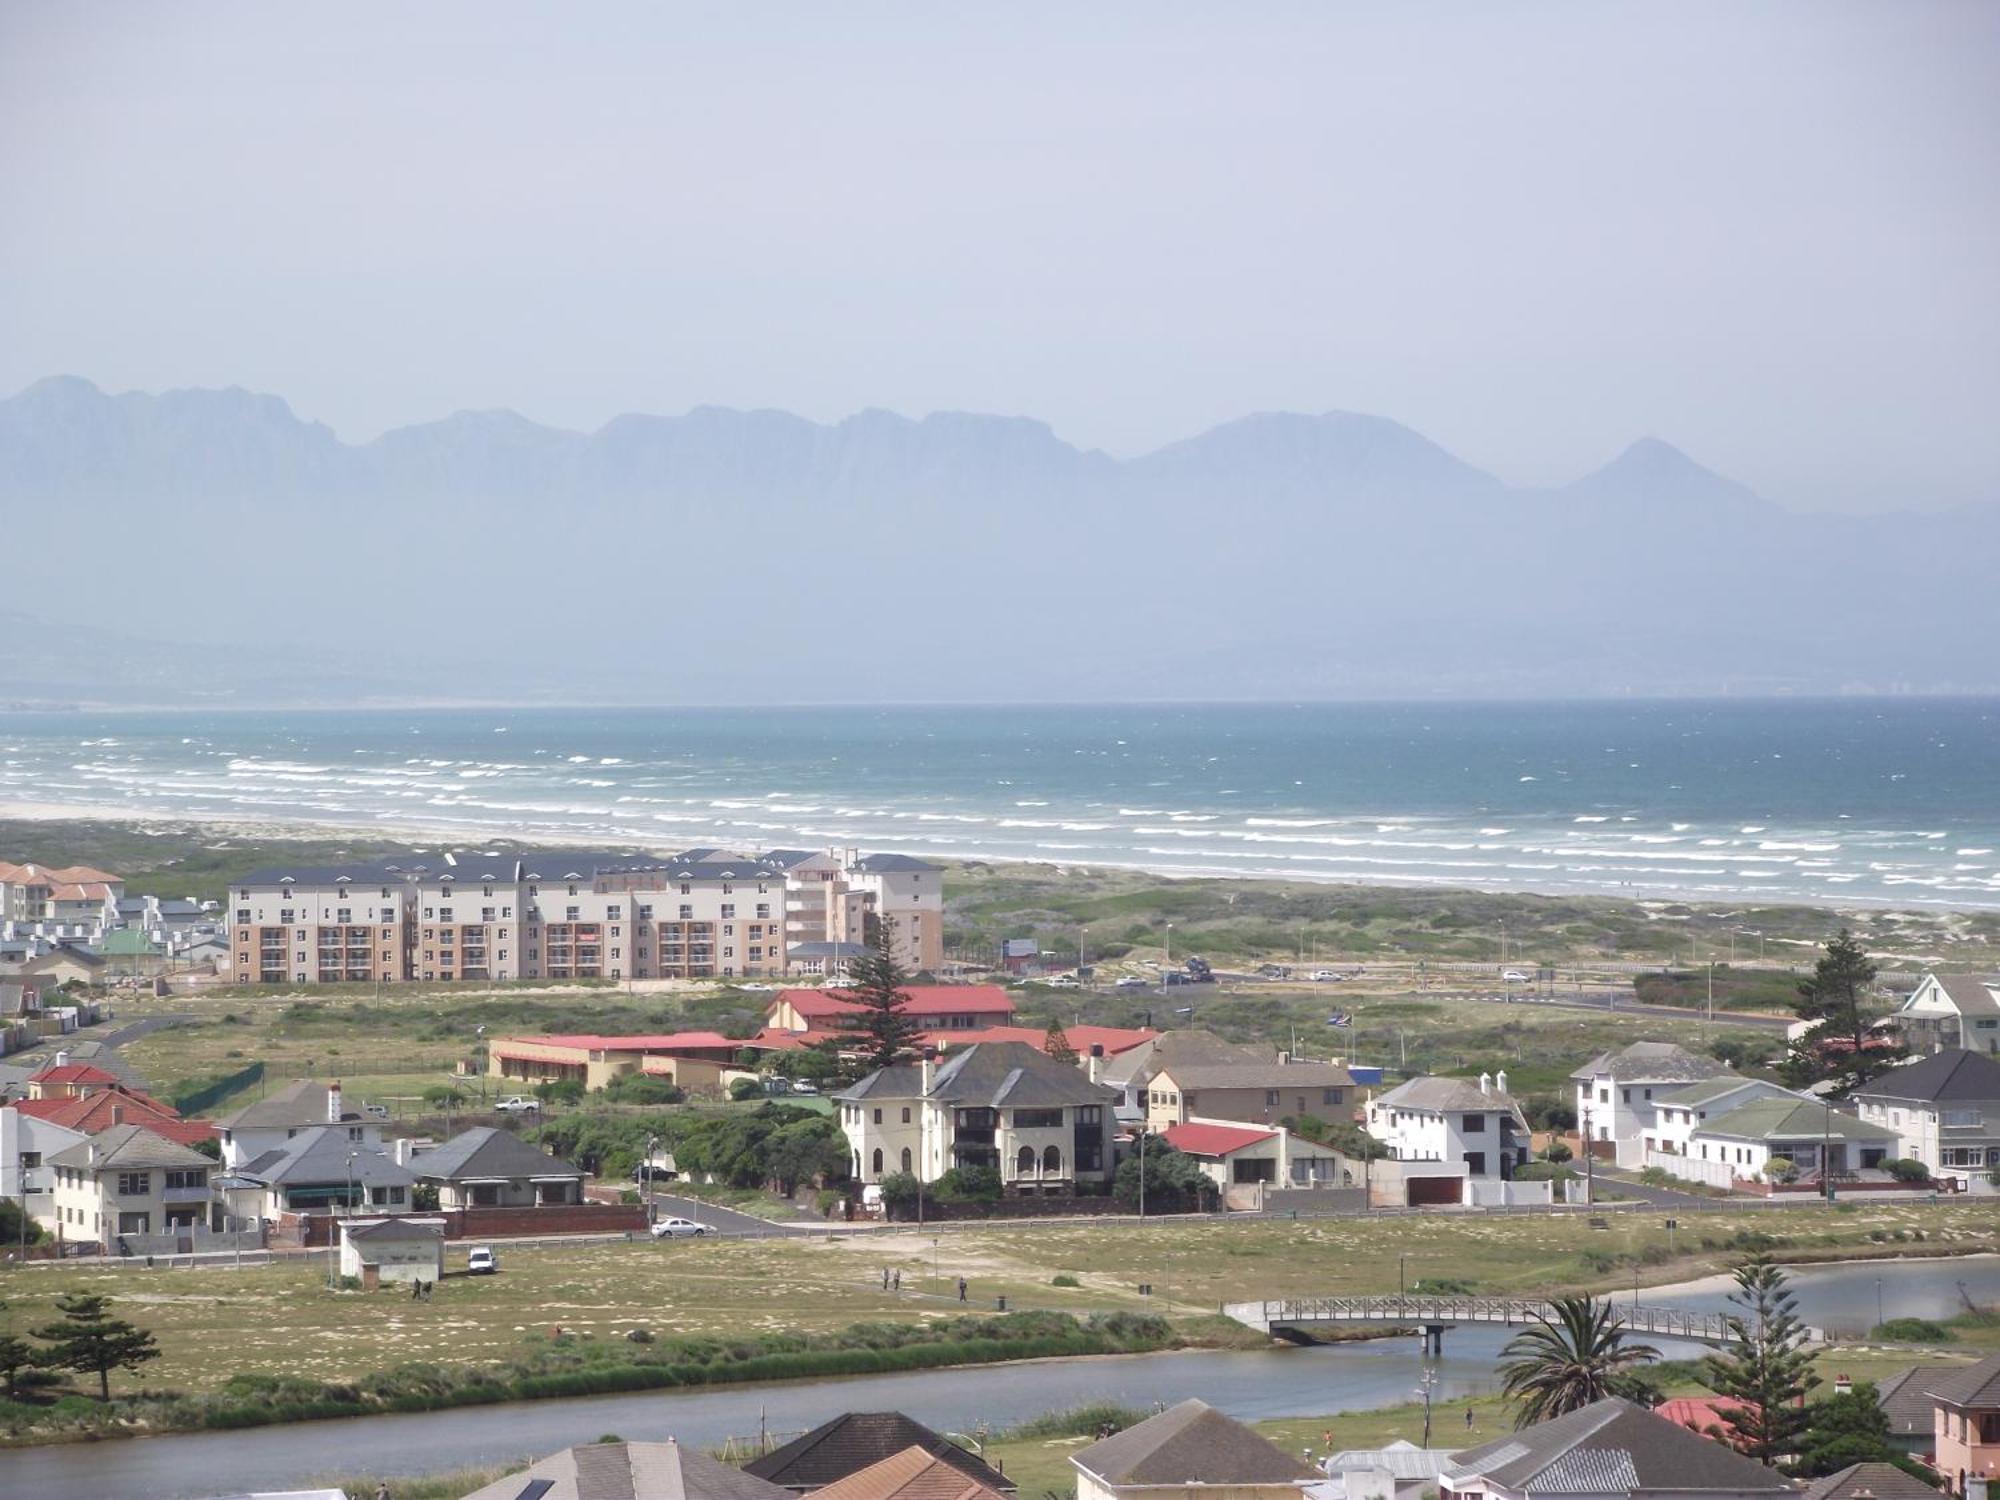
(519,1104)
(1324,976)
(1065,982)
(1133,982)
(804,1086)
(1515,976)
(481,1261)
(677,1229)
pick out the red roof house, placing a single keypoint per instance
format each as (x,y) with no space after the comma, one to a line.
(941,1007)
(89,1114)
(1198,1139)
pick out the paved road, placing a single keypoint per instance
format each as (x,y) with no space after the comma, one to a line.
(1626,1007)
(1663,1197)
(719,1219)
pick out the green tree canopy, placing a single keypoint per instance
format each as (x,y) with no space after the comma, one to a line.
(1576,1355)
(1766,1367)
(1848,1427)
(876,983)
(89,1339)
(1172,1180)
(1834,997)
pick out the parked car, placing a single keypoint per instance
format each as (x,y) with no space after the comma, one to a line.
(1515,976)
(1133,982)
(376,1111)
(519,1104)
(1325,976)
(481,1261)
(1065,982)
(804,1086)
(1175,976)
(677,1229)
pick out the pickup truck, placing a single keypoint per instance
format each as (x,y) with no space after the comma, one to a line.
(518,1104)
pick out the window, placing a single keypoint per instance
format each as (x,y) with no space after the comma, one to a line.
(1270,1096)
(1038,1119)
(1052,1162)
(134,1184)
(687,913)
(906,1114)
(1475,1124)
(878,1161)
(190,1177)
(572,913)
(614,913)
(763,908)
(728,909)
(645,914)
(878,1117)
(1332,1096)
(906,1154)
(444,913)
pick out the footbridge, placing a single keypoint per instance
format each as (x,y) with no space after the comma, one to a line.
(1434,1315)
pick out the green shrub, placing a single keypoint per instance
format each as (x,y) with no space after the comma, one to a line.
(1063,1278)
(1914,1331)
(1903,1169)
(744,1089)
(968,1185)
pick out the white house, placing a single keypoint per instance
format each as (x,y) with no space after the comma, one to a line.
(1615,1093)
(266,1124)
(1401,1471)
(319,1171)
(1951,1010)
(1040,1123)
(1678,1114)
(1741,1145)
(128,1181)
(1945,1111)
(407,1249)
(26,1144)
(1609,1450)
(1236,1157)
(1475,1130)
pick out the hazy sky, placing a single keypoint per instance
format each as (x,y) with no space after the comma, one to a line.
(1534,232)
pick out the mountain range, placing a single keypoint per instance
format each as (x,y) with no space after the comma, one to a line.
(732,556)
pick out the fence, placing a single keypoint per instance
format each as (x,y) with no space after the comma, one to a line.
(194,1101)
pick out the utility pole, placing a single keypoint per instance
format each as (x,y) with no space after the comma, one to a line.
(1428,1385)
(1589,1162)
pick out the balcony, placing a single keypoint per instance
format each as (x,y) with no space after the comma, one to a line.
(186,1194)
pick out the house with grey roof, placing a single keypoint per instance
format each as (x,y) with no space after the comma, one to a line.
(486,1167)
(1785,1138)
(1188,1447)
(1906,1399)
(1966,1416)
(1252,1092)
(1453,1140)
(373,1251)
(1401,1471)
(629,1471)
(1609,1450)
(319,1170)
(1951,1010)
(1945,1110)
(1615,1093)
(854,1441)
(1041,1124)
(1870,1481)
(128,1181)
(1132,1070)
(266,1124)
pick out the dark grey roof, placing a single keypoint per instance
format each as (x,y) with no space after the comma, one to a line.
(1261,1075)
(1905,1397)
(786,858)
(486,1152)
(901,1081)
(395,1229)
(629,1471)
(1191,1443)
(1876,1481)
(1975,1385)
(1193,1045)
(325,1155)
(854,1440)
(1009,1075)
(894,864)
(825,950)
(128,1146)
(1612,1447)
(1972,994)
(1652,1062)
(302,1102)
(360,872)
(1953,1074)
(1436,1095)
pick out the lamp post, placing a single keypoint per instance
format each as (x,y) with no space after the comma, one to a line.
(1878,1302)
(652,1149)
(1402,1285)
(1170,953)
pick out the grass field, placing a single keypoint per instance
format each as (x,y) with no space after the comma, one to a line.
(212,1323)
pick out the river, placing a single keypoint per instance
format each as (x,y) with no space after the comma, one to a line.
(1245,1383)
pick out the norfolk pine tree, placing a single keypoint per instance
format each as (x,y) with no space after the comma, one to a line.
(90,1339)
(875,983)
(1056,1044)
(1766,1366)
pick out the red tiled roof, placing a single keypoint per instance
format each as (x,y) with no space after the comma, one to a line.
(73,1073)
(1700,1413)
(98,1112)
(1113,1039)
(921,1000)
(591,1042)
(1213,1140)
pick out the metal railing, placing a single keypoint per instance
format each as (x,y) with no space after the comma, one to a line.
(1672,1322)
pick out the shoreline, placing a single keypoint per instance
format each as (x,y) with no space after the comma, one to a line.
(420,835)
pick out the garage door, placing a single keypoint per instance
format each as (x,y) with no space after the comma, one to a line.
(1428,1191)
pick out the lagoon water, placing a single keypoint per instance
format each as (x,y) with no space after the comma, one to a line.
(1879,800)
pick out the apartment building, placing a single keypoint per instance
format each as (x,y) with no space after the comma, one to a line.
(73,900)
(844,896)
(474,916)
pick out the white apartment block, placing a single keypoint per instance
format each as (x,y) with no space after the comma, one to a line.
(834,895)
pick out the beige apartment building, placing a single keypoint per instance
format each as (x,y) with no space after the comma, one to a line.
(703,914)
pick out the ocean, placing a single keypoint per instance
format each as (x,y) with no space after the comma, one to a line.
(1876,800)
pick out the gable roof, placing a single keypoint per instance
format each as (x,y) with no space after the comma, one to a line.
(1191,1044)
(1016,1075)
(1435,1095)
(1873,1481)
(1790,1119)
(487,1152)
(1113,1039)
(1955,1073)
(393,1229)
(1970,994)
(73,1073)
(1213,1140)
(894,864)
(1651,1062)
(325,1155)
(629,1471)
(1257,1075)
(1905,1397)
(1191,1443)
(912,1474)
(1694,1095)
(1613,1447)
(854,1440)
(106,1109)
(128,1146)
(918,1000)
(1974,1386)
(302,1102)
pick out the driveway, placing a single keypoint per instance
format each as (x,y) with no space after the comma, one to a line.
(719,1220)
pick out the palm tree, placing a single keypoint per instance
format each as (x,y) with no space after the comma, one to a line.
(1570,1359)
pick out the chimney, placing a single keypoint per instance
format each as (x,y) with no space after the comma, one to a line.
(1283,1057)
(92,1157)
(1485,1083)
(926,1073)
(1843,1385)
(333,1103)
(1093,1065)
(1500,1082)
(401,1151)
(62,1058)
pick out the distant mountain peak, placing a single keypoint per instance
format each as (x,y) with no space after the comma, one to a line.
(1653,472)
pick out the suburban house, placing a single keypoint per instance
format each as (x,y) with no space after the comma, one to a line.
(1905,1398)
(1967,1424)
(695,1060)
(489,1168)
(97,1104)
(1087,1042)
(854,1440)
(1872,1481)
(1131,1069)
(1042,1124)
(1474,1132)
(1609,1450)
(1260,1093)
(1186,1448)
(373,1251)
(1615,1092)
(318,1170)
(64,963)
(1951,1010)
(628,1471)
(935,1007)
(1740,1146)
(1401,1471)
(128,1181)
(267,1124)
(1680,1112)
(913,1474)
(1945,1110)
(26,1144)
(1234,1156)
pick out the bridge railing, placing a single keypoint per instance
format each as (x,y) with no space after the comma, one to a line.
(1673,1322)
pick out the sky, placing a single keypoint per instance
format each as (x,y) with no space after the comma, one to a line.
(1766,233)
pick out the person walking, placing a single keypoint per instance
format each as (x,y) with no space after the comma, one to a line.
(961,1288)
(382,1490)
(899,1280)
(1468,1419)
(416,1289)
(885,1278)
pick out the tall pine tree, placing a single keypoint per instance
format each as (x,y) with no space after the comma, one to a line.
(876,983)
(1835,999)
(1056,1044)
(1766,1366)
(89,1339)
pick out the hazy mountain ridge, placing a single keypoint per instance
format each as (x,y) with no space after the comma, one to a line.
(727,554)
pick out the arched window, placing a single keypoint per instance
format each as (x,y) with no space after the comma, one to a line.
(1052,1162)
(906,1158)
(1024,1162)
(878,1161)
